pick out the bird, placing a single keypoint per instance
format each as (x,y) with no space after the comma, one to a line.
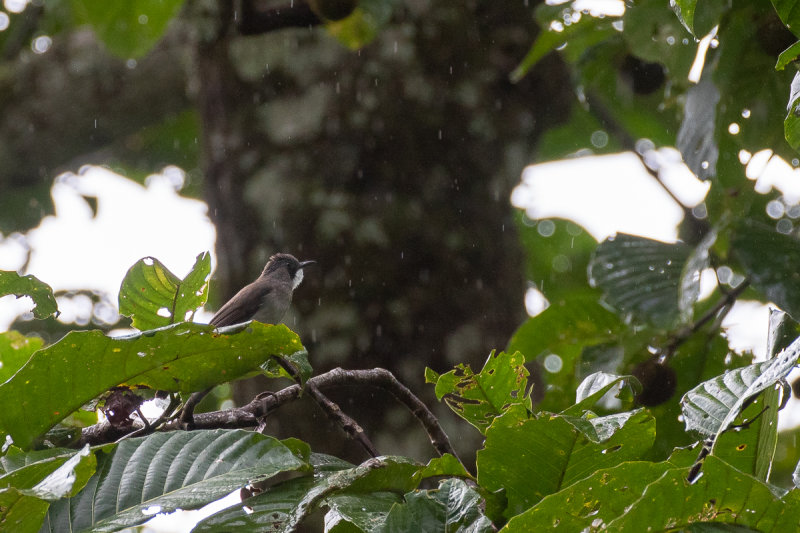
(266,300)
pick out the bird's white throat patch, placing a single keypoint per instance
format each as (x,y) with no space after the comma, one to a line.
(298,277)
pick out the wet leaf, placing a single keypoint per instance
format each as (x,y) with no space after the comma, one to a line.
(42,295)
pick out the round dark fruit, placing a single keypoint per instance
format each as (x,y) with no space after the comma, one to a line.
(658,382)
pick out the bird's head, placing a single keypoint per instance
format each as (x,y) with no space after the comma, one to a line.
(290,263)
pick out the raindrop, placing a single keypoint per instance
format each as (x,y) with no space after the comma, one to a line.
(546,228)
(784,226)
(142,19)
(704,165)
(724,274)
(775,209)
(599,139)
(41,44)
(744,156)
(553,363)
(4,21)
(670,40)
(745,113)
(141,354)
(733,128)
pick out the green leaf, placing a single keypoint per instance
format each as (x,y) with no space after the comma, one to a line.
(446,465)
(594,387)
(128,29)
(787,56)
(166,471)
(47,474)
(549,453)
(557,254)
(769,259)
(359,512)
(644,278)
(698,19)
(19,512)
(42,295)
(567,332)
(723,495)
(154,297)
(791,124)
(789,12)
(183,357)
(697,139)
(555,34)
(478,398)
(286,505)
(684,9)
(599,498)
(15,350)
(362,26)
(454,506)
(713,405)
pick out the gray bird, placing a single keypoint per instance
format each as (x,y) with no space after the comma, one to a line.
(266,300)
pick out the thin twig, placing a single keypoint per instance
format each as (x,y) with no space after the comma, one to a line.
(350,426)
(718,311)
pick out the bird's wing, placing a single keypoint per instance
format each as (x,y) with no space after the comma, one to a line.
(242,307)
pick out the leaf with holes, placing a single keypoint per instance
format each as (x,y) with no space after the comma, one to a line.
(154,297)
(645,279)
(478,398)
(551,452)
(42,295)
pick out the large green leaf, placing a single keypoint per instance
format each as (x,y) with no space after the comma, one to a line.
(478,398)
(183,357)
(166,471)
(722,495)
(646,279)
(286,505)
(549,452)
(128,29)
(770,260)
(712,406)
(15,350)
(155,297)
(454,506)
(42,295)
(599,498)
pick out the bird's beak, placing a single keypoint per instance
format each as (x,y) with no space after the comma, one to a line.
(304,264)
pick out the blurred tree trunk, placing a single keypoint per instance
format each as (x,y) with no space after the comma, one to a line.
(392,167)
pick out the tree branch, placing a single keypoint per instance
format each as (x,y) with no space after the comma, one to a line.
(248,416)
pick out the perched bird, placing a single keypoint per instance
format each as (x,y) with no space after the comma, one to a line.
(266,300)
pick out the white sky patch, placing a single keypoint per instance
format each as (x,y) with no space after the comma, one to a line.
(607,194)
(75,250)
